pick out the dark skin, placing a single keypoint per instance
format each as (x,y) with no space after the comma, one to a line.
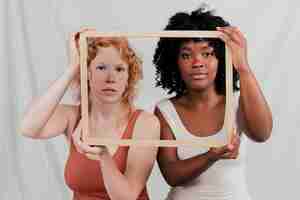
(201,98)
(177,172)
(198,66)
(210,122)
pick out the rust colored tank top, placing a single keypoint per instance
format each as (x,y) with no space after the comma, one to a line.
(84,176)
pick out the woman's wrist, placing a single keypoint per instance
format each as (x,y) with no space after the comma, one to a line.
(104,154)
(71,72)
(211,156)
(244,70)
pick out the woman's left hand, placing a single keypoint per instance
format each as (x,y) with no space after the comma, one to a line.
(91,152)
(237,44)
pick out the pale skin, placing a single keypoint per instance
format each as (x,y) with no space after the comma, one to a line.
(198,67)
(108,78)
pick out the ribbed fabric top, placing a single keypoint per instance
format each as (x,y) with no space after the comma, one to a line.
(84,176)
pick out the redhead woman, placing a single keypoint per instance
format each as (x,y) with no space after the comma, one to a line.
(117,173)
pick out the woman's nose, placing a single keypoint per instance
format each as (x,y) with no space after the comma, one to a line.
(111,76)
(197,62)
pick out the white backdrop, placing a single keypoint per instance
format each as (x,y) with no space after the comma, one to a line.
(33,38)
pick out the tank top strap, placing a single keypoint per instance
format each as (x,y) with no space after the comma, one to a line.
(127,134)
(131,123)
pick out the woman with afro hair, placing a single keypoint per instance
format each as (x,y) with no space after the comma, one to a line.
(194,70)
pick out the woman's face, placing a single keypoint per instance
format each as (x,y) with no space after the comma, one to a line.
(198,65)
(108,75)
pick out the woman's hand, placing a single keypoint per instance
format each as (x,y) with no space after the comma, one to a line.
(74,60)
(74,57)
(91,152)
(237,44)
(229,151)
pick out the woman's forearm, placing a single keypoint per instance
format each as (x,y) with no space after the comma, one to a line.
(41,109)
(257,114)
(116,183)
(179,172)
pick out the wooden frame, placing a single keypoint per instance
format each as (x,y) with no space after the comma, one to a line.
(228,121)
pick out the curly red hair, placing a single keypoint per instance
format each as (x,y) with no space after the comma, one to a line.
(127,54)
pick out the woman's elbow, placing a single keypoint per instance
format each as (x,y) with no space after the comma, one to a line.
(267,132)
(28,132)
(263,136)
(261,132)
(262,139)
(172,181)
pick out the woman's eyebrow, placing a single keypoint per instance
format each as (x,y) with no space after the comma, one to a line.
(119,65)
(185,48)
(208,48)
(101,63)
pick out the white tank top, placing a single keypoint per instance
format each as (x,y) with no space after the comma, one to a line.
(224,180)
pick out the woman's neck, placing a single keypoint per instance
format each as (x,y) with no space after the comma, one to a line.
(206,98)
(109,112)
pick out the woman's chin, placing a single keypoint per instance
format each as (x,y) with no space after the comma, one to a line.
(111,100)
(199,86)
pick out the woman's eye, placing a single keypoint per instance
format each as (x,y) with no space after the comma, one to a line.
(120,69)
(101,67)
(185,56)
(207,54)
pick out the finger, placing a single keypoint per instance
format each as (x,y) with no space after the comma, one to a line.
(220,150)
(233,135)
(97,150)
(85,30)
(92,156)
(226,40)
(234,146)
(236,138)
(72,39)
(77,138)
(231,143)
(240,33)
(240,36)
(76,37)
(232,34)
(229,156)
(77,145)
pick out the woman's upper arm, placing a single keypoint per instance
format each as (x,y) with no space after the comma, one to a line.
(165,155)
(242,122)
(58,122)
(140,160)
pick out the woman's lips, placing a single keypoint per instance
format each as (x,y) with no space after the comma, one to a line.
(199,76)
(109,91)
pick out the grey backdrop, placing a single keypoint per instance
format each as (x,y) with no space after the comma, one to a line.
(33,38)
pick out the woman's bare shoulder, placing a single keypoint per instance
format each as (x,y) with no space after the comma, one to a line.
(147,123)
(72,112)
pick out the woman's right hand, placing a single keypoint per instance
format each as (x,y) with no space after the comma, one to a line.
(74,60)
(74,56)
(91,152)
(229,151)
